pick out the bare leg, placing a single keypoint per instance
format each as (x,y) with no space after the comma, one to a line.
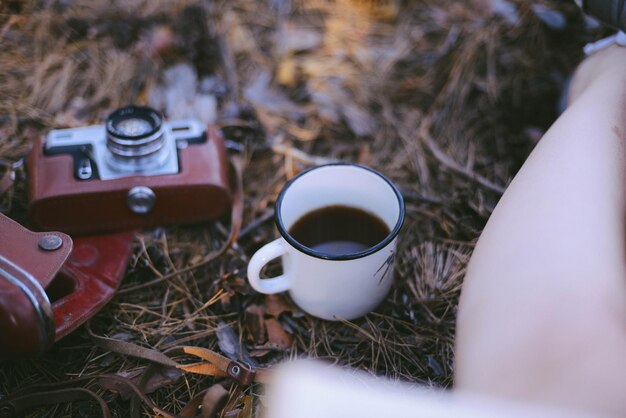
(542,316)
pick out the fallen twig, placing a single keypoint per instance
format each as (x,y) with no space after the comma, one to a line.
(455,167)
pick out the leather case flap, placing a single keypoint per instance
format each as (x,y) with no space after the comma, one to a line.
(28,263)
(39,253)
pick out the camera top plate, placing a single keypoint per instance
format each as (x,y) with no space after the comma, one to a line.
(89,143)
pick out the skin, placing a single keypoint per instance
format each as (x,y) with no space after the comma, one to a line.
(542,316)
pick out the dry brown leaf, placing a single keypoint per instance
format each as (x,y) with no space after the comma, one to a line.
(196,259)
(228,341)
(276,335)
(306,133)
(270,123)
(255,324)
(239,36)
(157,42)
(214,401)
(262,95)
(358,119)
(161,377)
(365,155)
(293,39)
(286,73)
(234,413)
(246,411)
(276,305)
(225,302)
(259,353)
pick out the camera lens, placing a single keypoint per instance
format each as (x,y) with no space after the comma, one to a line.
(135,139)
(611,12)
(133,127)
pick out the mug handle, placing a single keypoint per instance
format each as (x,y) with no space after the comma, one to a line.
(263,256)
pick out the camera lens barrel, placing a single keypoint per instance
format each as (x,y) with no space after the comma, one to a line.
(611,12)
(135,138)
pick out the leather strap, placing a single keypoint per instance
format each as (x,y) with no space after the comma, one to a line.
(130,349)
(214,364)
(69,391)
(16,406)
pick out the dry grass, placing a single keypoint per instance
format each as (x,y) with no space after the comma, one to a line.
(444,97)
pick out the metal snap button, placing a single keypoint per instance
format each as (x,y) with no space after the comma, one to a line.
(50,242)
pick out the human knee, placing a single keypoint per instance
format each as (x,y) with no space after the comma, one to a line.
(546,340)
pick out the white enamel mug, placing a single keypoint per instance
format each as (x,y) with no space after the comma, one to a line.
(331,286)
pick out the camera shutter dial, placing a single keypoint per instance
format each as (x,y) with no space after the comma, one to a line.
(141,199)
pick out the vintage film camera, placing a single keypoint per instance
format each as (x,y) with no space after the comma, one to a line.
(136,170)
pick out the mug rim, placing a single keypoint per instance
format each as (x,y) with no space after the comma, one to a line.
(341,257)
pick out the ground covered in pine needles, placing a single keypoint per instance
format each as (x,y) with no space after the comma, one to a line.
(446,98)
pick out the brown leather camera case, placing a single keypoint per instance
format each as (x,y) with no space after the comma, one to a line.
(50,285)
(26,319)
(61,202)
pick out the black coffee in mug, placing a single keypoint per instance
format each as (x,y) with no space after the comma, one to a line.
(337,230)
